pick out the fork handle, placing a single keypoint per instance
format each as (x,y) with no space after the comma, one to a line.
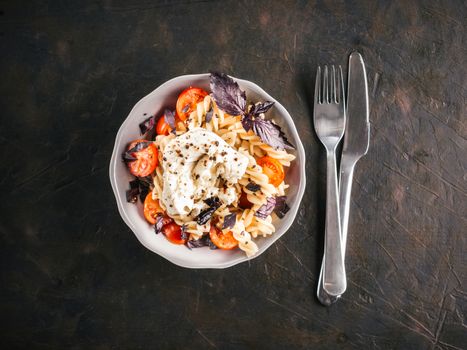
(345,187)
(334,279)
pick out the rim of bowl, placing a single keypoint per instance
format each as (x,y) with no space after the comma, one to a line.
(293,207)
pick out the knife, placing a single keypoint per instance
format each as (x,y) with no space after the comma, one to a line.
(356,144)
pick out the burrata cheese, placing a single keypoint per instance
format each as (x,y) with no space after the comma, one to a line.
(198,165)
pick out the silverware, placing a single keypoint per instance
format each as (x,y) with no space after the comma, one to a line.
(356,143)
(329,122)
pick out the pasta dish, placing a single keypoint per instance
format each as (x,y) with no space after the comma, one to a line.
(212,171)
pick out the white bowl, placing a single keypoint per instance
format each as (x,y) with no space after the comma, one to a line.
(163,97)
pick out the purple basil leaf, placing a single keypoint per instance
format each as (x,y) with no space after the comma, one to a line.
(148,124)
(206,214)
(227,94)
(127,157)
(132,195)
(204,241)
(271,134)
(159,223)
(253,187)
(145,181)
(143,193)
(209,116)
(133,192)
(211,245)
(198,243)
(184,234)
(209,113)
(261,107)
(266,209)
(186,108)
(281,207)
(170,118)
(247,122)
(264,107)
(229,221)
(213,202)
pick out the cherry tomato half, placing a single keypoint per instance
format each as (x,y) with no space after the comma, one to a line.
(187,101)
(151,209)
(146,159)
(162,127)
(273,169)
(173,233)
(222,240)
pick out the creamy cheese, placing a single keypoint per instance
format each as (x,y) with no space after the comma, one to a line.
(198,165)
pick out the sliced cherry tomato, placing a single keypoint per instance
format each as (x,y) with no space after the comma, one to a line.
(173,233)
(188,100)
(151,209)
(273,169)
(243,201)
(222,240)
(146,159)
(162,127)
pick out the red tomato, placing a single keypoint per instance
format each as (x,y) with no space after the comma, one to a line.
(222,240)
(273,169)
(186,102)
(243,201)
(151,209)
(162,127)
(173,233)
(146,159)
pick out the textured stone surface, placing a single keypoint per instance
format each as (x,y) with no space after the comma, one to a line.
(74,276)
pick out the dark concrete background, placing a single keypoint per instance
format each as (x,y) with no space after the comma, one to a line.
(74,276)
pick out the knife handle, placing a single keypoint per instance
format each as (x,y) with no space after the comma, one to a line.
(334,279)
(345,189)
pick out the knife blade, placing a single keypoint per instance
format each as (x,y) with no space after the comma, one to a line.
(357,134)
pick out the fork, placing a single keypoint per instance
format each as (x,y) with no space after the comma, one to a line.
(329,122)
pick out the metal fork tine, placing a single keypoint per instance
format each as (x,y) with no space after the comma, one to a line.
(333,84)
(318,98)
(325,86)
